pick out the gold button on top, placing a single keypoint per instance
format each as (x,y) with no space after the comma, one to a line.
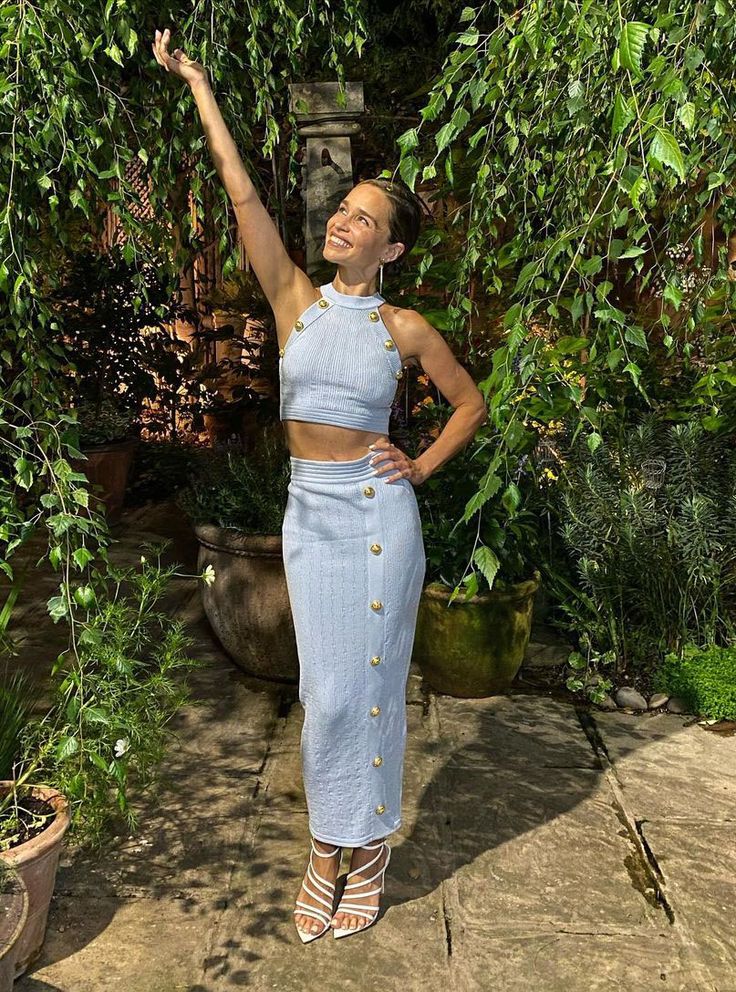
(323,304)
(376,604)
(378,760)
(399,374)
(376,549)
(281,352)
(299,325)
(380,809)
(388,345)
(376,660)
(369,491)
(375,710)
(373,315)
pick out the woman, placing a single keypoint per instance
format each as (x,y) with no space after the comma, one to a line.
(353,550)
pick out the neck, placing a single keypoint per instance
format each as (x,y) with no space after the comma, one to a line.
(354,284)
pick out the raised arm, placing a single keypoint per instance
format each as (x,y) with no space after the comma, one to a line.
(277,274)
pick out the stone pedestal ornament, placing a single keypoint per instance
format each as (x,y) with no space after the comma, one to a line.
(328,168)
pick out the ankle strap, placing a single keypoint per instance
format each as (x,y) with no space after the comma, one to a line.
(324,854)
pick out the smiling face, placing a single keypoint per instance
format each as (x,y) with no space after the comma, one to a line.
(357,235)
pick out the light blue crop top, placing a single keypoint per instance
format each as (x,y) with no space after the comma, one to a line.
(340,364)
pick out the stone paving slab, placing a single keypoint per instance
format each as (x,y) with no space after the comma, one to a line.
(510,729)
(699,868)
(568,962)
(107,944)
(525,848)
(669,767)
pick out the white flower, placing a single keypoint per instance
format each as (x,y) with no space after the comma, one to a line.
(121,746)
(208,576)
(143,559)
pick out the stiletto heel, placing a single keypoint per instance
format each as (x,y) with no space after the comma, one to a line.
(356,909)
(328,888)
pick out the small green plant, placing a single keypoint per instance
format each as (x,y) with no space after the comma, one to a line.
(103,421)
(586,672)
(113,696)
(245,492)
(704,677)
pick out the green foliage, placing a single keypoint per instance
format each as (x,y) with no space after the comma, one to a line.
(159,470)
(648,523)
(704,677)
(83,101)
(112,698)
(114,339)
(499,545)
(17,695)
(242,491)
(585,146)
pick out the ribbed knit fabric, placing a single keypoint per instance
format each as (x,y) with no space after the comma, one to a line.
(340,364)
(355,565)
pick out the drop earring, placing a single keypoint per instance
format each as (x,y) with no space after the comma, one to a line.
(380,276)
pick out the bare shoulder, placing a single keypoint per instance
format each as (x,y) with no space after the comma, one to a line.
(409,329)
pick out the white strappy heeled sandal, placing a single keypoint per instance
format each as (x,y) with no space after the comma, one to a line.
(328,888)
(357,909)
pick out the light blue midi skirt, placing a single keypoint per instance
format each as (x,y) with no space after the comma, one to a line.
(355,565)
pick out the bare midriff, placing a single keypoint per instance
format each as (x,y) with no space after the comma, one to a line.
(326,442)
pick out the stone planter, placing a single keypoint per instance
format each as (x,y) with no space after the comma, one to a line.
(36,861)
(108,466)
(248,603)
(13,920)
(475,648)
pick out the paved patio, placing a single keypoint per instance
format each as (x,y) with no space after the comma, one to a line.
(544,846)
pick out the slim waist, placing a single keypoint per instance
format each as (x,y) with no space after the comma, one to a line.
(318,470)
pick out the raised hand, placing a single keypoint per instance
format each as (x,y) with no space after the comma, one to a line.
(178,63)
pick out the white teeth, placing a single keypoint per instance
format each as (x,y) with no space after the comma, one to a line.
(338,241)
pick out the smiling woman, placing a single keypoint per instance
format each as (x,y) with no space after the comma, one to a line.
(352,536)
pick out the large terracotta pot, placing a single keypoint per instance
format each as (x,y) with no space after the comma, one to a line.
(13,920)
(474,648)
(248,603)
(108,466)
(37,861)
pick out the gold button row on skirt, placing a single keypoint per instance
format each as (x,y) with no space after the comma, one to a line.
(376,605)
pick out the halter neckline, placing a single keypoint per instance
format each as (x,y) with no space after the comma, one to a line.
(347,300)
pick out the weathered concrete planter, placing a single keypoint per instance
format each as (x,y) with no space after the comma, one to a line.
(473,648)
(108,466)
(37,861)
(13,919)
(248,603)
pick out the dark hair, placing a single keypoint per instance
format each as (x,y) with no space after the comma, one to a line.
(405,216)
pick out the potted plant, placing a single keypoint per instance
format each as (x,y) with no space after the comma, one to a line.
(236,503)
(13,917)
(33,822)
(475,612)
(107,439)
(112,695)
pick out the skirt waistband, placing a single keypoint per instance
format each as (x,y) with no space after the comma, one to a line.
(317,470)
